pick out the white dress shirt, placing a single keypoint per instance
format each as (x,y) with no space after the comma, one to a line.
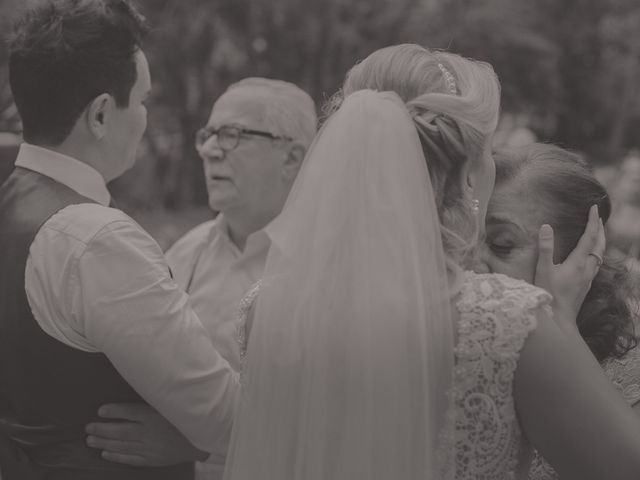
(96,281)
(216,275)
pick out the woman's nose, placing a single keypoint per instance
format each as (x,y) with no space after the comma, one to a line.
(481,263)
(481,267)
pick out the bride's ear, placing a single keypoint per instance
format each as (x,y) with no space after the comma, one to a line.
(468,179)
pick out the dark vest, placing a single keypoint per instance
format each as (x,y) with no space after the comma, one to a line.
(49,391)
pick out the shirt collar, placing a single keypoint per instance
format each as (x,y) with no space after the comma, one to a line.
(272,230)
(78,176)
(220,227)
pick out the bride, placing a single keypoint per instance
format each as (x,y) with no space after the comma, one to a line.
(373,353)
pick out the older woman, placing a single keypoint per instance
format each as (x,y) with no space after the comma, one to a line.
(544,184)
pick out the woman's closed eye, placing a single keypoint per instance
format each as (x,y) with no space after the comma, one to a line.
(511,243)
(501,244)
(501,249)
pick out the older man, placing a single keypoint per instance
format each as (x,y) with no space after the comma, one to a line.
(252,148)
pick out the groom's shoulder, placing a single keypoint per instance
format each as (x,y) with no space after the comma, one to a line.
(87,220)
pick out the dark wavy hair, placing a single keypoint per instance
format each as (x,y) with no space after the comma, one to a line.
(565,188)
(63,54)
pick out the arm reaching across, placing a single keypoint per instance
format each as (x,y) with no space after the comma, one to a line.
(570,411)
(163,351)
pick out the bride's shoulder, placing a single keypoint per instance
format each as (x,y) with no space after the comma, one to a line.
(496,315)
(496,291)
(501,305)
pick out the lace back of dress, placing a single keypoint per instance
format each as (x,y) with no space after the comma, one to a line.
(496,316)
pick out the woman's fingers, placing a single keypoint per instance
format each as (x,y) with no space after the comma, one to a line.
(570,281)
(544,267)
(587,257)
(589,239)
(596,256)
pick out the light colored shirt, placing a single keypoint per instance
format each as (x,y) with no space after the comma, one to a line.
(96,281)
(216,274)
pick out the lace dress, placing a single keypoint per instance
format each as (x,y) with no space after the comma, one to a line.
(496,314)
(624,373)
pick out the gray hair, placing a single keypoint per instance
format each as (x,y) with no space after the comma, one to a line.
(288,108)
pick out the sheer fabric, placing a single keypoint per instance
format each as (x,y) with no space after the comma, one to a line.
(496,315)
(350,356)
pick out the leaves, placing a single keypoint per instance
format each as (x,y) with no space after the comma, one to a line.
(573,76)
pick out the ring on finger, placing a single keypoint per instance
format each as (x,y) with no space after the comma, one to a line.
(598,257)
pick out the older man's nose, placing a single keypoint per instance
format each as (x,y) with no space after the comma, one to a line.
(210,150)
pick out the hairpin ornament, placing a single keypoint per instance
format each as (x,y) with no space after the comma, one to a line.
(449,80)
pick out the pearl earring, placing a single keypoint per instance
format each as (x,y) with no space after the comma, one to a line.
(475,205)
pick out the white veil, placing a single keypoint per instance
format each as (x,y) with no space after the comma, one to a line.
(350,356)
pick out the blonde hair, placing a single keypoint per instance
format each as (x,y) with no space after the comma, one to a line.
(455,104)
(287,107)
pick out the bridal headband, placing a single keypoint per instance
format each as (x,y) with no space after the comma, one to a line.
(449,80)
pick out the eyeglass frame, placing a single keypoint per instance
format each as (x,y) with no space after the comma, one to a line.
(210,132)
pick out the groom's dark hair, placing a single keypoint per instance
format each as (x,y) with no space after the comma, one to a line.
(63,54)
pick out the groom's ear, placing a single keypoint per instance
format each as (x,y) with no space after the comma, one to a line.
(98,115)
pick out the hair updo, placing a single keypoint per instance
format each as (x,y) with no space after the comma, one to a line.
(455,104)
(565,189)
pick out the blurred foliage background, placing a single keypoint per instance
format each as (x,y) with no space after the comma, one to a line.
(570,71)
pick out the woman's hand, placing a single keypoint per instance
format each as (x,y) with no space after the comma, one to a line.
(138,435)
(570,281)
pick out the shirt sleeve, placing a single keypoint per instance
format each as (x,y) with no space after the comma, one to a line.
(121,292)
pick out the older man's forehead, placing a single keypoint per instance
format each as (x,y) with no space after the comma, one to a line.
(247,97)
(239,104)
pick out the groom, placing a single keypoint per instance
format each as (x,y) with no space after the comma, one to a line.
(89,313)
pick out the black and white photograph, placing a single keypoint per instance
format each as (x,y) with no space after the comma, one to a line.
(319,239)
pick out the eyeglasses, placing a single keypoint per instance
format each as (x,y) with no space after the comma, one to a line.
(229,136)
